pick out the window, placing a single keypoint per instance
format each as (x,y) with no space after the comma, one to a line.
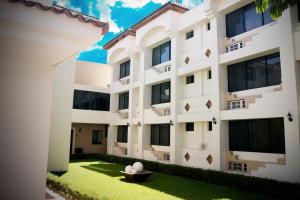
(190,79)
(189,126)
(122,134)
(245,19)
(125,69)
(161,53)
(298,5)
(189,35)
(261,135)
(86,100)
(209,74)
(208,26)
(96,137)
(161,93)
(260,72)
(209,126)
(123,100)
(160,134)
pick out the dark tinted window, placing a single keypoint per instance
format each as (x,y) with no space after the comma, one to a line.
(161,93)
(161,53)
(208,26)
(190,79)
(256,73)
(245,19)
(209,74)
(261,135)
(209,126)
(298,5)
(87,100)
(122,134)
(96,137)
(189,126)
(160,134)
(125,69)
(123,100)
(189,35)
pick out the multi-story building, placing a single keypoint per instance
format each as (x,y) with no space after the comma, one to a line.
(215,87)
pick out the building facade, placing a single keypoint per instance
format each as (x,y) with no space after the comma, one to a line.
(215,87)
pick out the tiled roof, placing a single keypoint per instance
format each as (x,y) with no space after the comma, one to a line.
(168,6)
(70,13)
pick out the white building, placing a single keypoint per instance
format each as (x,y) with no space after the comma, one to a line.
(215,87)
(35,37)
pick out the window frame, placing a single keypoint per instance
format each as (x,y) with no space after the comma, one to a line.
(242,15)
(122,134)
(159,49)
(190,79)
(160,101)
(157,141)
(251,135)
(125,104)
(89,100)
(246,78)
(189,35)
(189,126)
(99,137)
(126,67)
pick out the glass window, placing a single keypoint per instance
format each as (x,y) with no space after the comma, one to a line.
(210,126)
(123,100)
(122,134)
(189,126)
(256,73)
(161,53)
(160,134)
(161,93)
(209,74)
(190,79)
(87,100)
(252,19)
(96,137)
(245,19)
(235,23)
(125,69)
(208,26)
(259,135)
(273,69)
(237,77)
(189,35)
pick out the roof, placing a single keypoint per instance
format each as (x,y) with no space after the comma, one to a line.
(131,31)
(69,13)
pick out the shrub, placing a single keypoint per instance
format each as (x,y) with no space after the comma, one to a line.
(238,181)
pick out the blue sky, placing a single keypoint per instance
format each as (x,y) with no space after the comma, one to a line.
(120,14)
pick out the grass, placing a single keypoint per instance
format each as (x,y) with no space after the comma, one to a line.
(102,180)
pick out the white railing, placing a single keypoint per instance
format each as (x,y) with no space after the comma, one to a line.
(162,68)
(236,104)
(161,111)
(231,44)
(125,80)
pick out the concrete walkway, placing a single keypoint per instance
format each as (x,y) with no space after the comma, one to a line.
(50,195)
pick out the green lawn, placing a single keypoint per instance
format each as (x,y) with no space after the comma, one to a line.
(103,180)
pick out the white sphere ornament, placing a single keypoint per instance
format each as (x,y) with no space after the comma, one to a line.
(138,166)
(128,169)
(134,171)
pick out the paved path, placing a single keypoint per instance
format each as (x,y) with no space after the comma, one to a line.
(50,195)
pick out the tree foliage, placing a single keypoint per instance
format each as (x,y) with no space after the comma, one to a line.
(276,6)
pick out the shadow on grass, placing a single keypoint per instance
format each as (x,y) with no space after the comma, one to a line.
(60,173)
(177,186)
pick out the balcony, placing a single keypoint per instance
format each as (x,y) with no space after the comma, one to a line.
(120,117)
(253,103)
(159,113)
(249,43)
(119,149)
(120,85)
(157,153)
(158,73)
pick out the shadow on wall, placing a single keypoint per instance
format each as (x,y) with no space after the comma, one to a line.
(177,186)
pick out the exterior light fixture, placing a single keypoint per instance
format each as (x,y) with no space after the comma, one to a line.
(128,125)
(139,124)
(289,116)
(214,120)
(171,123)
